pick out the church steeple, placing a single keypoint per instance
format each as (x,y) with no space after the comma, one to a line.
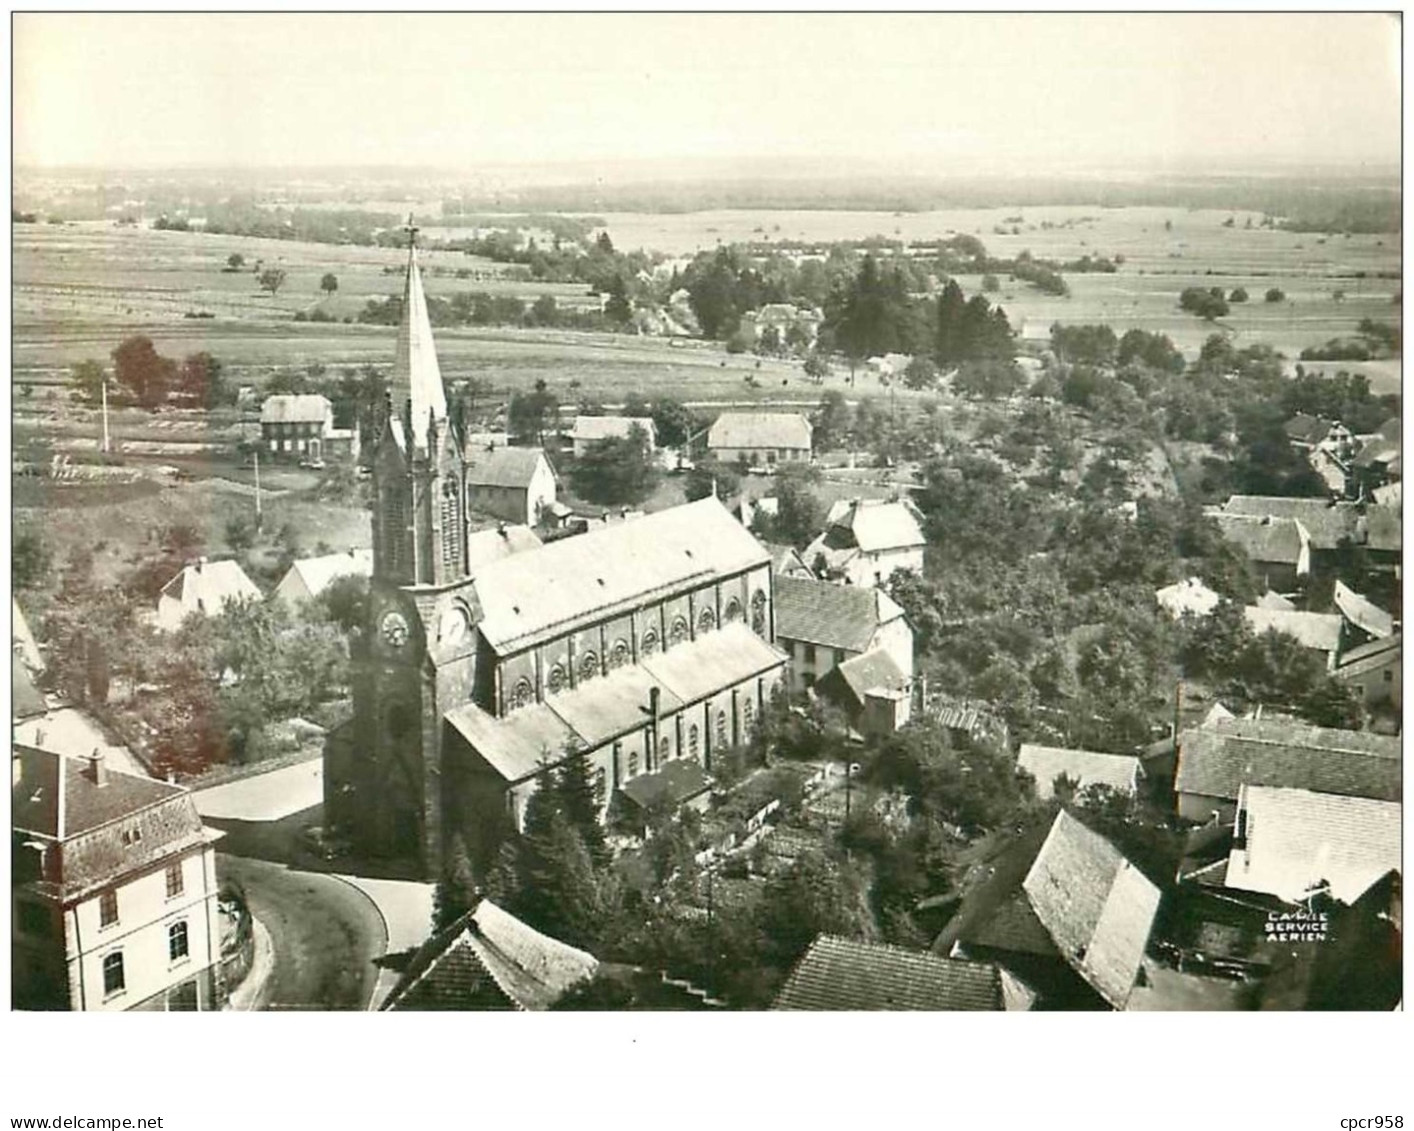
(417,378)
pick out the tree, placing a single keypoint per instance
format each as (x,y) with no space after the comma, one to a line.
(1207,304)
(673,421)
(329,284)
(144,372)
(86,380)
(833,421)
(616,469)
(1274,294)
(618,309)
(544,311)
(271,279)
(344,602)
(30,559)
(990,283)
(709,476)
(920,373)
(811,898)
(240,532)
(201,378)
(817,366)
(1239,294)
(456,892)
(235,261)
(800,515)
(530,414)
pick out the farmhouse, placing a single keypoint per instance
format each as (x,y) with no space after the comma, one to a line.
(633,645)
(114,890)
(203,588)
(1320,632)
(489,959)
(1375,670)
(1215,761)
(1064,912)
(874,693)
(1327,524)
(1363,614)
(301,427)
(590,429)
(821,625)
(789,324)
(516,484)
(1280,548)
(850,974)
(1082,768)
(866,540)
(760,438)
(1291,842)
(1187,598)
(309,577)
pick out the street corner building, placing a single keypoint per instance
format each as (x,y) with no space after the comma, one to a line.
(114,898)
(634,645)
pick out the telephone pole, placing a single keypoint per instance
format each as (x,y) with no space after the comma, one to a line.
(107,444)
(257,488)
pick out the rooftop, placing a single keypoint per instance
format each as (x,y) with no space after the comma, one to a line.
(789,430)
(483,546)
(1084,767)
(873,525)
(505,467)
(318,573)
(1320,631)
(1363,613)
(1279,540)
(871,671)
(296,408)
(849,974)
(835,616)
(676,782)
(590,428)
(1190,596)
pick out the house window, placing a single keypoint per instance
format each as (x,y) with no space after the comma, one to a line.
(174,880)
(522,693)
(810,653)
(177,941)
(706,622)
(692,743)
(556,679)
(1388,676)
(758,613)
(113,980)
(665,749)
(107,908)
(588,666)
(678,633)
(733,612)
(632,763)
(721,728)
(618,657)
(650,643)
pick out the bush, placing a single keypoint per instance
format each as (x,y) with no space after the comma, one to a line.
(1275,294)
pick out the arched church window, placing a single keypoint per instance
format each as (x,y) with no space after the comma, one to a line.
(665,749)
(618,656)
(721,728)
(678,632)
(692,743)
(732,613)
(451,526)
(649,644)
(555,681)
(748,712)
(706,621)
(758,613)
(588,666)
(632,763)
(522,693)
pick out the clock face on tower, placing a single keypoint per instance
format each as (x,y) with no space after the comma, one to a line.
(394,627)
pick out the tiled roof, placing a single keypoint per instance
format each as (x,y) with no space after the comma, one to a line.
(1215,761)
(1371,657)
(1275,540)
(1320,631)
(875,524)
(1190,596)
(1295,839)
(1085,767)
(872,671)
(207,586)
(295,408)
(847,974)
(1384,528)
(589,428)
(1274,600)
(483,546)
(521,743)
(1326,522)
(103,831)
(318,573)
(25,699)
(675,783)
(577,579)
(835,616)
(760,430)
(22,639)
(489,959)
(1063,891)
(505,467)
(1096,906)
(1307,429)
(1363,613)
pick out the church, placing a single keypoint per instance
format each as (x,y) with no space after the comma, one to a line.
(647,646)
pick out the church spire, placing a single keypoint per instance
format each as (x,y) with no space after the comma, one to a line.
(417,378)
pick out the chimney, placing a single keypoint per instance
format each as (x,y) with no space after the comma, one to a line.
(171,777)
(97,771)
(501,528)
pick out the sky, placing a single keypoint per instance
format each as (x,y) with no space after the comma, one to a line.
(926,92)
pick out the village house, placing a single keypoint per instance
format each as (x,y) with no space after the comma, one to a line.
(761,439)
(1378,460)
(792,325)
(113,890)
(851,974)
(307,578)
(873,692)
(516,484)
(1291,842)
(1375,670)
(1188,598)
(591,429)
(489,960)
(1361,614)
(786,561)
(1081,768)
(1326,523)
(866,540)
(301,427)
(1063,912)
(1215,761)
(203,588)
(1319,632)
(1279,548)
(821,625)
(633,646)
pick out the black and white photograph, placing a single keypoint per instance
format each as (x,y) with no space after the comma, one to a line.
(714,513)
